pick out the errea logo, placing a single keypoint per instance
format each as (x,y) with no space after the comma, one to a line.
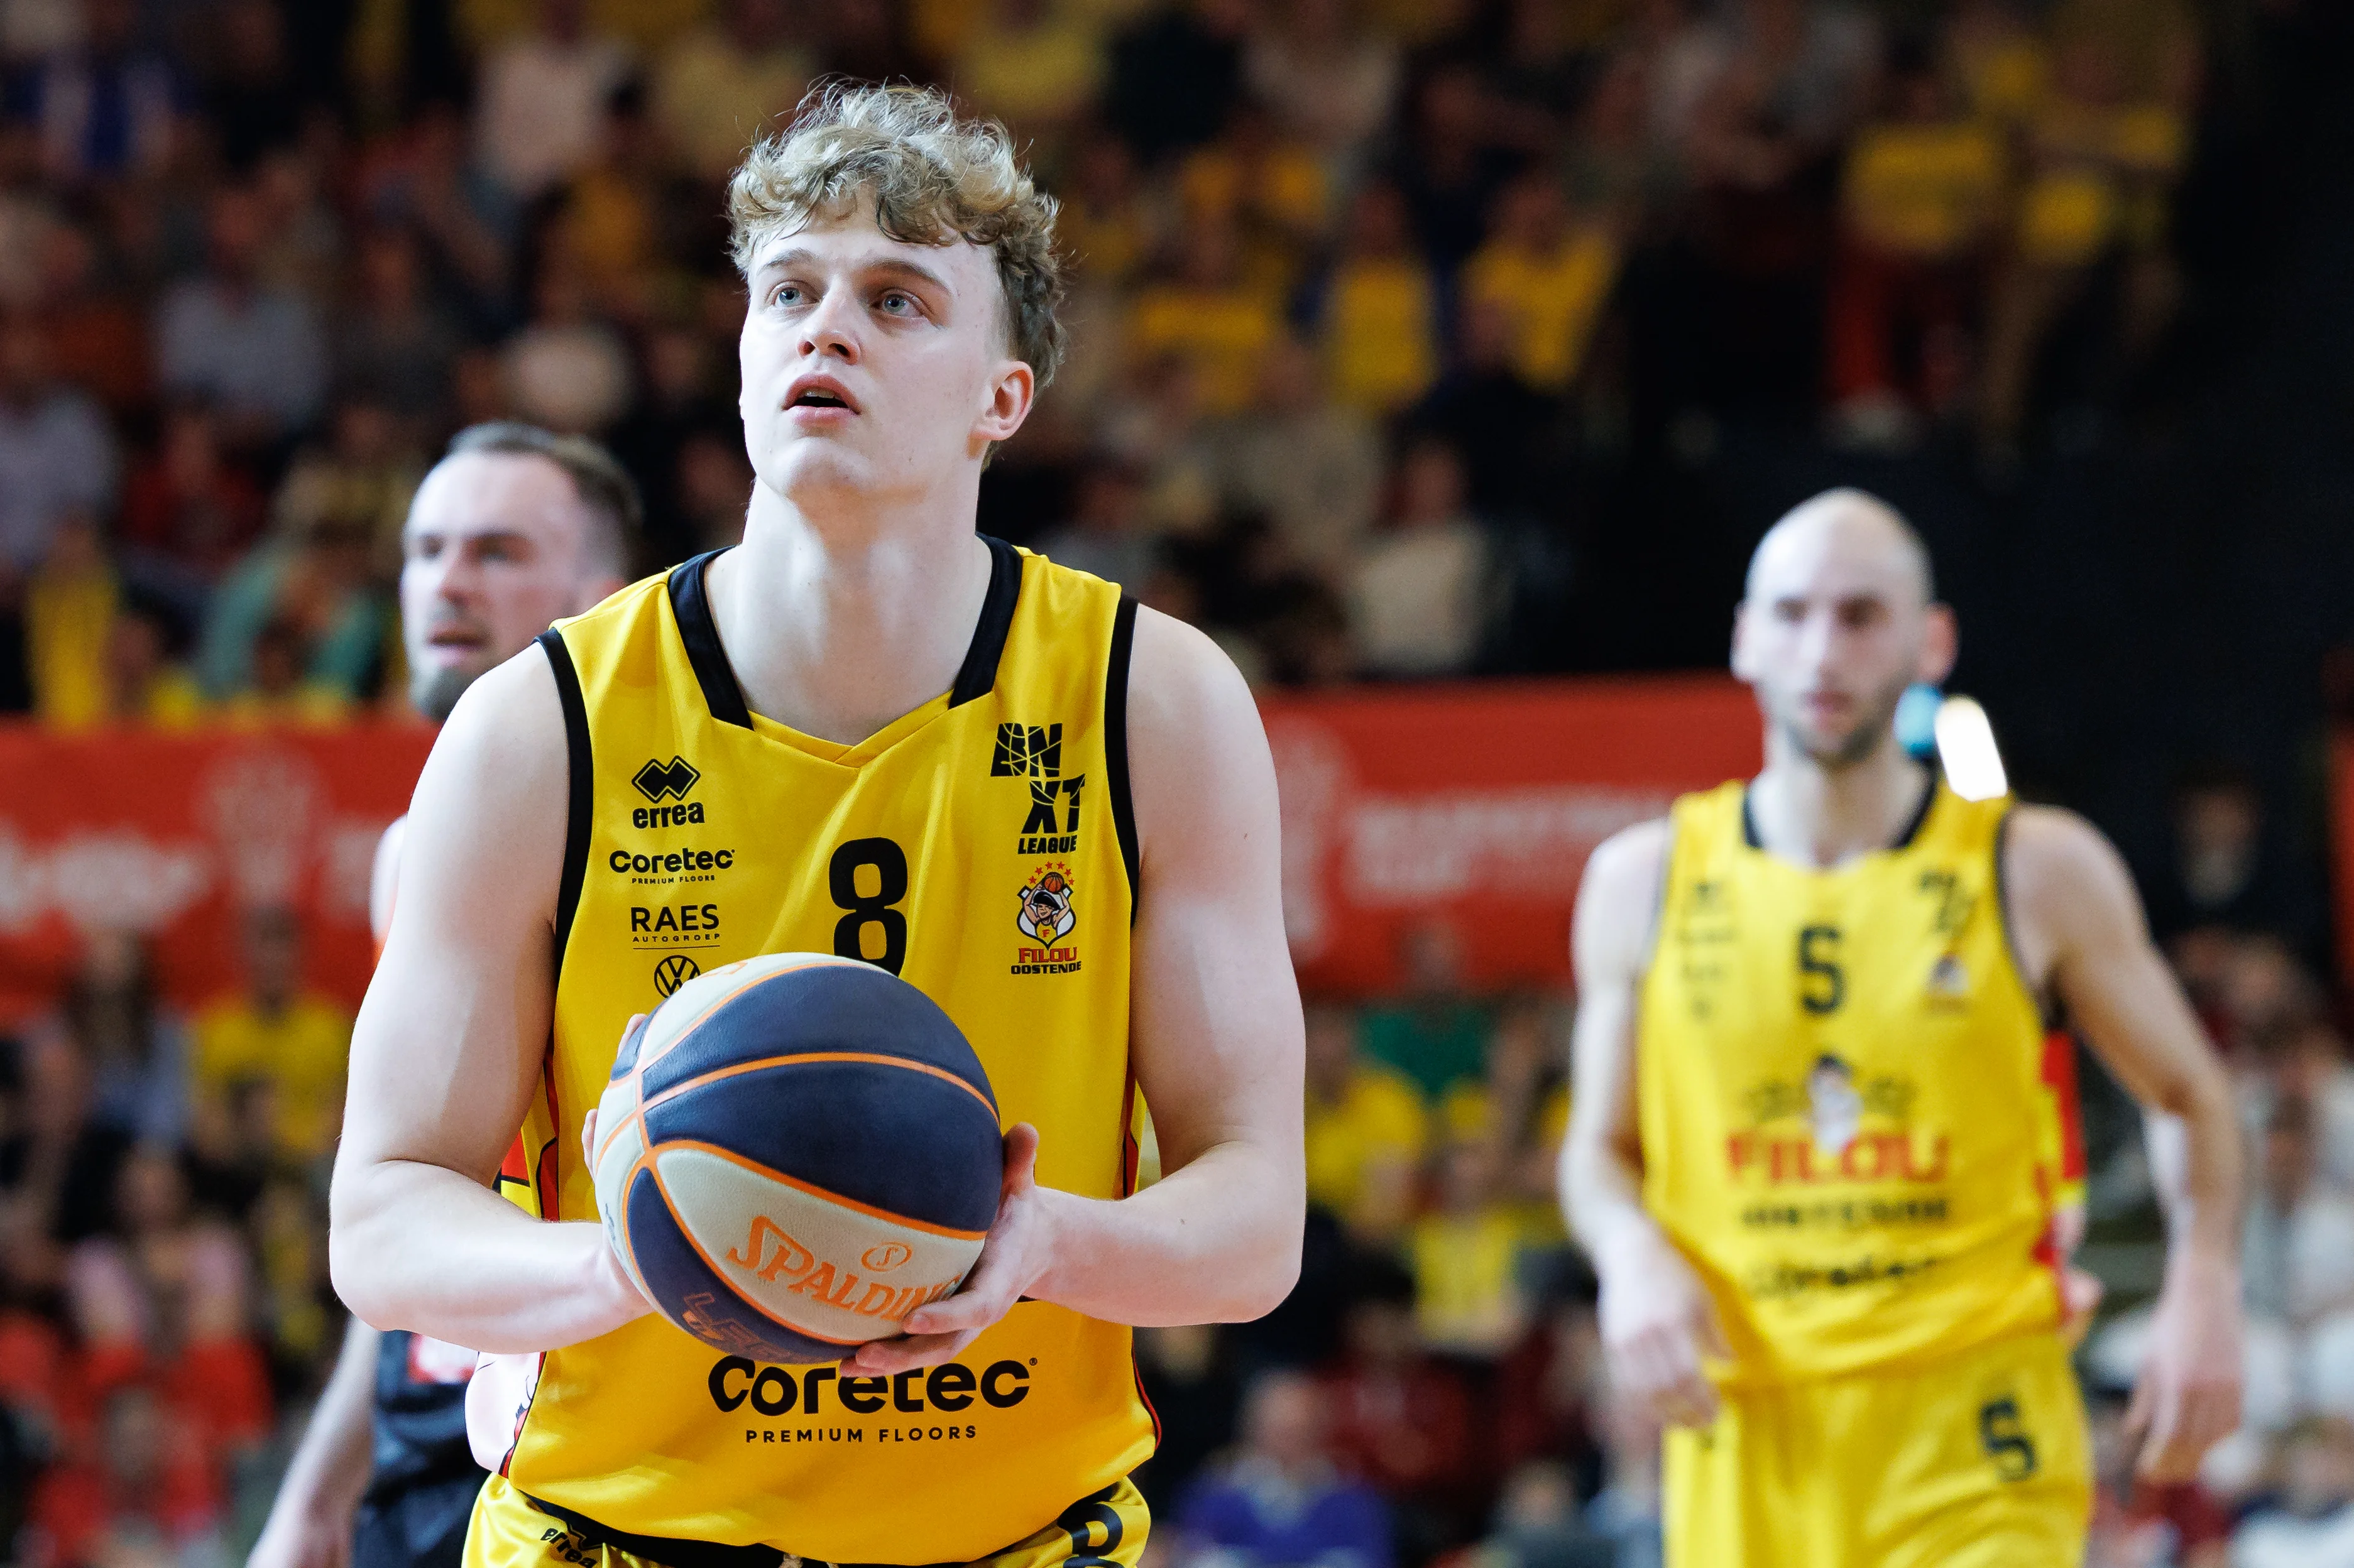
(672,779)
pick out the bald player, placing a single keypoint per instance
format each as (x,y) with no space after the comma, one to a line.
(514,528)
(1817,1149)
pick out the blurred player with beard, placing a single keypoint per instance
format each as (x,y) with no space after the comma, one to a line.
(1814,1152)
(514,528)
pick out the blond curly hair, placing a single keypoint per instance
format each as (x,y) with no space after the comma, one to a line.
(934,176)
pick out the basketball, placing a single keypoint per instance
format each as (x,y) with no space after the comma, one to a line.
(796,1151)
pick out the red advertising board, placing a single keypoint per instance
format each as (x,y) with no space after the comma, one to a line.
(176,834)
(1474,805)
(1477,806)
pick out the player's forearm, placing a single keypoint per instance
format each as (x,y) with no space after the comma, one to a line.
(1602,1193)
(330,1468)
(1216,1242)
(417,1246)
(2195,1163)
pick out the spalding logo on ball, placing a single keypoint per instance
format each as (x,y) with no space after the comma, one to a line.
(795,1152)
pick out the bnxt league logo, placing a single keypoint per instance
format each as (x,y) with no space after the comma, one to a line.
(672,779)
(674,972)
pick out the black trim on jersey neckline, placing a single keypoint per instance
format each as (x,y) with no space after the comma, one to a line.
(1123,804)
(580,784)
(1919,819)
(724,695)
(977,675)
(705,653)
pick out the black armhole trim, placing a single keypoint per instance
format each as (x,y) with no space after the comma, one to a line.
(977,675)
(1123,804)
(580,788)
(700,633)
(2047,1013)
(1749,838)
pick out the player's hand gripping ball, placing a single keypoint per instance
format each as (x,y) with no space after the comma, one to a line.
(795,1152)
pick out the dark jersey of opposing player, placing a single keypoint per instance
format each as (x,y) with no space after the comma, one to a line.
(421,1489)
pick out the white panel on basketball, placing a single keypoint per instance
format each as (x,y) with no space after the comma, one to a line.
(814,1264)
(624,1145)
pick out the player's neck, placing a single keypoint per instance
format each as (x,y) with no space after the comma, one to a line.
(1821,816)
(837,625)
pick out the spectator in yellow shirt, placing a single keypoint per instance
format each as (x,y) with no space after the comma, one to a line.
(1267,188)
(2107,145)
(1367,1128)
(719,86)
(1552,276)
(275,1045)
(1379,332)
(1924,186)
(1466,1257)
(1207,317)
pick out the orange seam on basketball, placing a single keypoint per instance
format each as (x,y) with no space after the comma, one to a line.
(871,1057)
(719,1273)
(815,1191)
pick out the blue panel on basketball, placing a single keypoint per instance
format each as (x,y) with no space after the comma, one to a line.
(673,1272)
(823,1007)
(898,1139)
(795,1152)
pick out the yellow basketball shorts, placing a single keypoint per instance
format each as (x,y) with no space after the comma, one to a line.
(1980,1461)
(510,1529)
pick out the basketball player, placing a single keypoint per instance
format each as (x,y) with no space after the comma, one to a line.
(866,730)
(514,528)
(1814,1156)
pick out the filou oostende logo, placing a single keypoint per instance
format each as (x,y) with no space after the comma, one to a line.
(674,971)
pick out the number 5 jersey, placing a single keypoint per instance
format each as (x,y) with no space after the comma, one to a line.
(980,848)
(1852,1123)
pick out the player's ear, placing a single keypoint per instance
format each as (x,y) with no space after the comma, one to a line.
(1742,663)
(1941,640)
(1009,396)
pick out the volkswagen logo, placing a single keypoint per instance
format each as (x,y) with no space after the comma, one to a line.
(674,972)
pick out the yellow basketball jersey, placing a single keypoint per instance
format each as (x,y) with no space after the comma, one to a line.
(980,848)
(1847,1122)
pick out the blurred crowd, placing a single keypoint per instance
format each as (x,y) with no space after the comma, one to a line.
(1368,295)
(1364,297)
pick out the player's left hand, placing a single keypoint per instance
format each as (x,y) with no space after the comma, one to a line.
(2188,1398)
(1015,1257)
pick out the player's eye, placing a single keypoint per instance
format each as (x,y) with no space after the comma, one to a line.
(786,295)
(898,304)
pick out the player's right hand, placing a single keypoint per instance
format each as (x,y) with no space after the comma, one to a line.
(1657,1323)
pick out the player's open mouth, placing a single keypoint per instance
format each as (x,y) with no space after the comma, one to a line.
(820,392)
